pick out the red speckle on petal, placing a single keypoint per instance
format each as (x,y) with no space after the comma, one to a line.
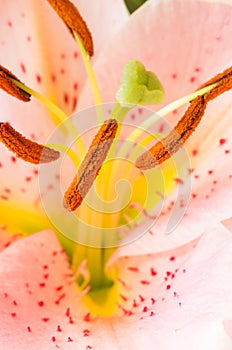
(179,181)
(53,339)
(192,79)
(123,297)
(9,23)
(144,282)
(222,142)
(13,314)
(28,178)
(75,86)
(23,68)
(57,302)
(71,320)
(174,76)
(75,100)
(75,55)
(161,128)
(194,152)
(123,283)
(29,329)
(67,313)
(135,304)
(41,303)
(13,159)
(88,347)
(227,151)
(197,69)
(45,267)
(59,329)
(141,298)
(28,38)
(153,272)
(66,98)
(87,317)
(45,319)
(42,285)
(153,301)
(145,309)
(172,258)
(38,78)
(15,303)
(62,71)
(168,286)
(86,332)
(58,289)
(70,339)
(210,172)
(133,269)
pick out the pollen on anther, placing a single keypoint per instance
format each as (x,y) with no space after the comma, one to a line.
(74,22)
(24,148)
(91,165)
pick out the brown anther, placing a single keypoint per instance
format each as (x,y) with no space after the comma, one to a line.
(10,87)
(26,149)
(73,20)
(91,165)
(175,140)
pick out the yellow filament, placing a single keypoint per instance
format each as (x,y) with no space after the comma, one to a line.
(92,78)
(58,116)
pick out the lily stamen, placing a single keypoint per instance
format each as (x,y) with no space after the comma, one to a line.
(169,145)
(91,165)
(74,21)
(26,149)
(10,87)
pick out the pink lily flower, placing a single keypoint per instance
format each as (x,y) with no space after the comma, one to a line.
(175,291)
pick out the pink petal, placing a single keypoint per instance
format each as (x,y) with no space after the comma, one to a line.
(178,299)
(39,305)
(104,19)
(165,298)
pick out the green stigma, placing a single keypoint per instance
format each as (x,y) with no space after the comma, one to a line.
(139,86)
